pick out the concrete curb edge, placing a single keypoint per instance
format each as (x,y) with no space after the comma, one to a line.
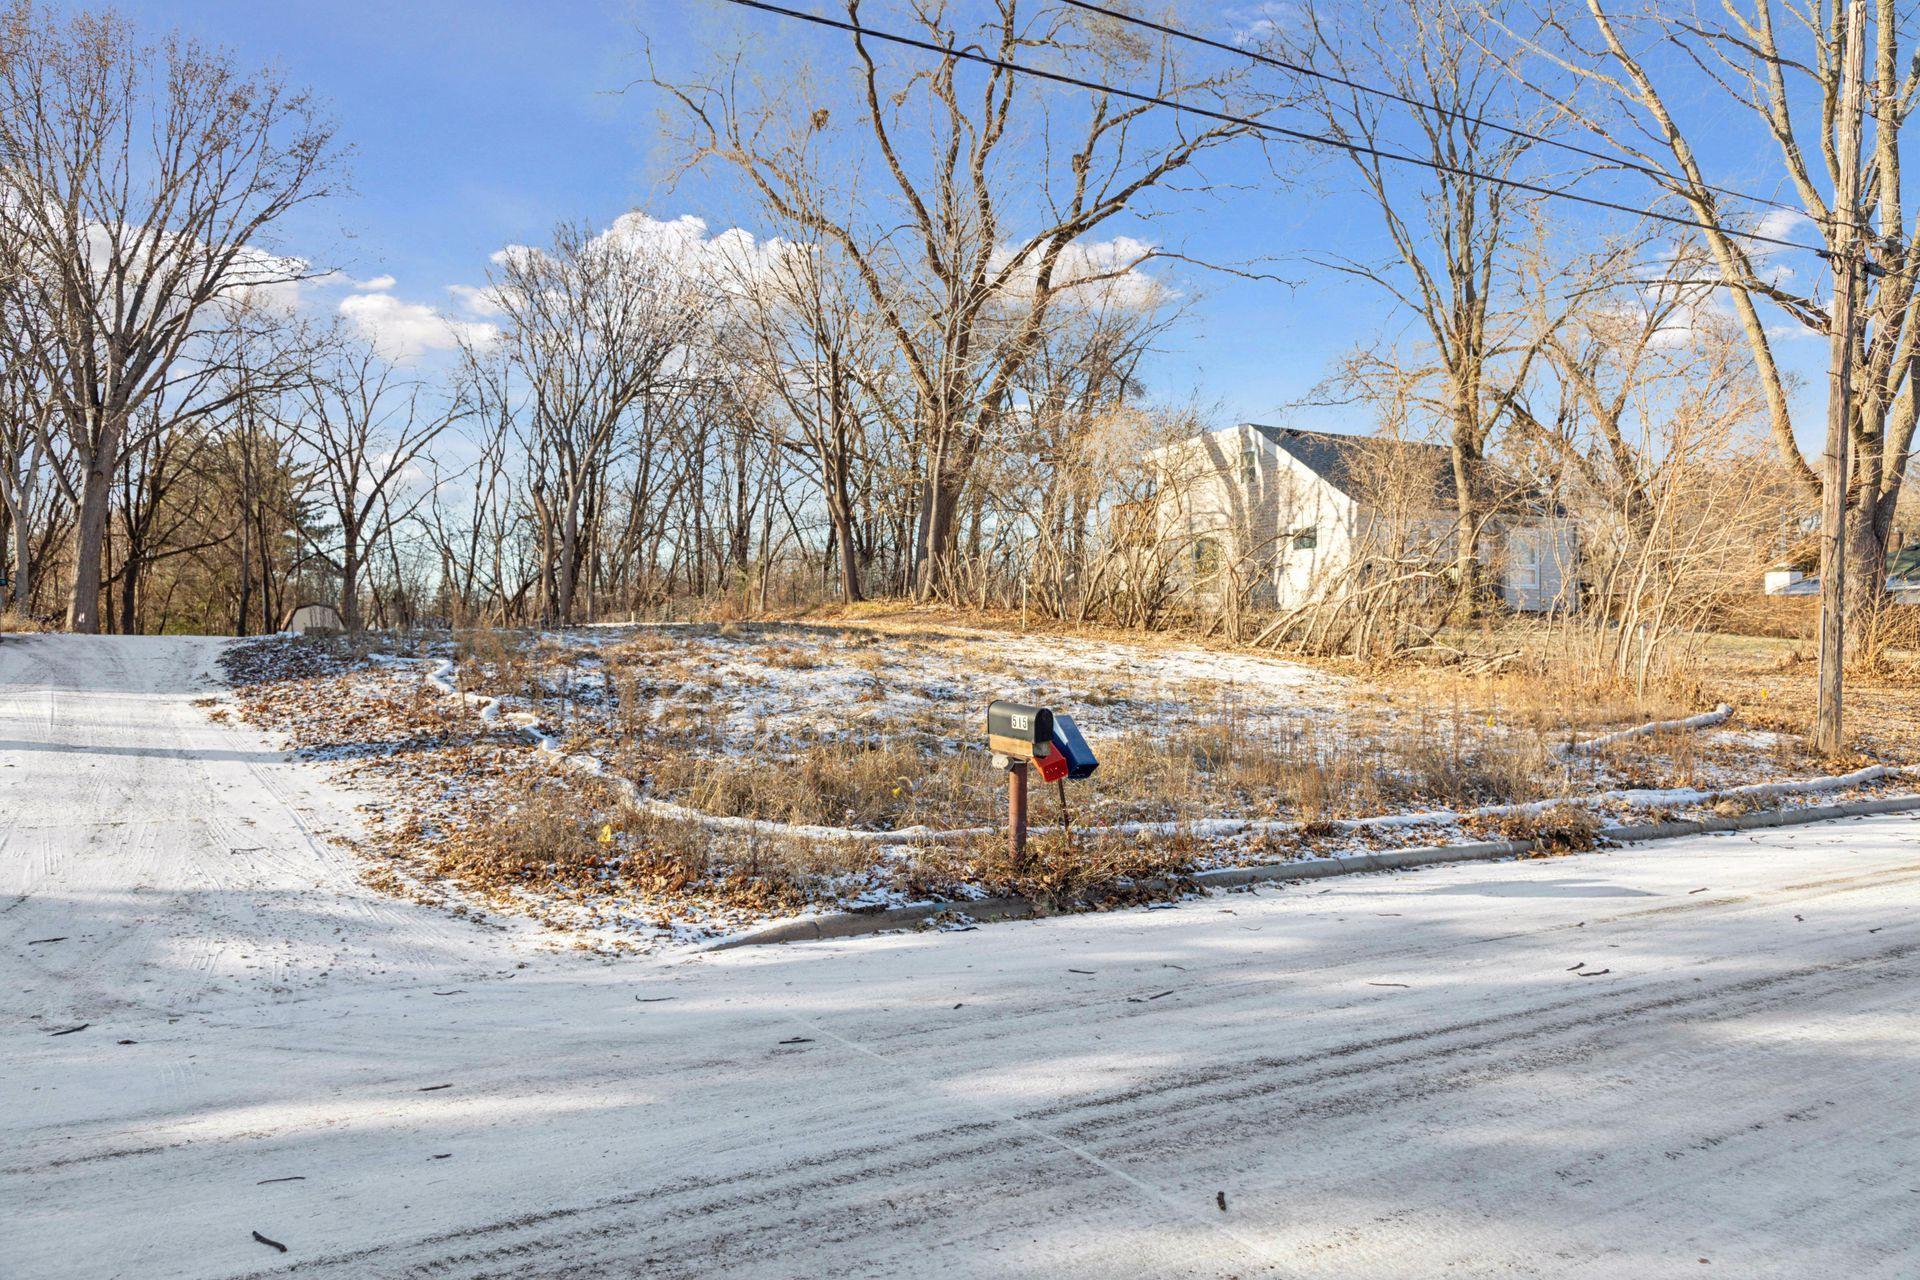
(847,924)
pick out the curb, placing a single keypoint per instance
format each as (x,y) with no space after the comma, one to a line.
(848,924)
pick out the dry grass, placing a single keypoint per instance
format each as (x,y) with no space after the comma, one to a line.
(1189,770)
(573,840)
(877,786)
(478,809)
(1059,871)
(1564,828)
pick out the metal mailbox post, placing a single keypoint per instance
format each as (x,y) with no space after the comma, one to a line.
(1017,734)
(1022,736)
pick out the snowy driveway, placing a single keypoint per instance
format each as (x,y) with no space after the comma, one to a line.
(1377,1077)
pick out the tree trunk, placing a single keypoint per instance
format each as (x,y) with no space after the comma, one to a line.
(130,592)
(246,573)
(90,540)
(22,566)
(939,509)
(569,555)
(20,584)
(1466,535)
(843,545)
(1866,569)
(350,581)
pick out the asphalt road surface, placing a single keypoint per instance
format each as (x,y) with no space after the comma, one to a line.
(1406,1075)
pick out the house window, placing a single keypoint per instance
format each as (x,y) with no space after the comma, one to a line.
(1306,539)
(1249,463)
(1206,558)
(1523,571)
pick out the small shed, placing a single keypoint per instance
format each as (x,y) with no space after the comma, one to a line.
(314,620)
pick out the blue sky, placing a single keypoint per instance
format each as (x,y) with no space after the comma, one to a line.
(479,123)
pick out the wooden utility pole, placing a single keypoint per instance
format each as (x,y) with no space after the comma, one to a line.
(1846,245)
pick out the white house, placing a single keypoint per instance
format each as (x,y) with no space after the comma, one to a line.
(1305,511)
(314,620)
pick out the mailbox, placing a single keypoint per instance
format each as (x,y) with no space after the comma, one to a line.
(1019,732)
(1024,738)
(1071,757)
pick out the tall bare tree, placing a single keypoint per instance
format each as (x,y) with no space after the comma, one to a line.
(141,183)
(34,477)
(817,351)
(595,325)
(1454,227)
(1782,67)
(987,191)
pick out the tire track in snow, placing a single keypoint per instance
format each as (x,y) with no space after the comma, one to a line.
(1346,1081)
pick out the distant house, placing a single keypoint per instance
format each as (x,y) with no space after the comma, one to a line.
(314,620)
(1302,514)
(1903,578)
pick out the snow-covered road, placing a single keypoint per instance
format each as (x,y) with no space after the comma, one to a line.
(1386,1076)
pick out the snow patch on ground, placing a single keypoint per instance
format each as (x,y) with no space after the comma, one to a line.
(770,690)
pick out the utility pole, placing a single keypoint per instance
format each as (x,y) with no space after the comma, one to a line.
(1846,244)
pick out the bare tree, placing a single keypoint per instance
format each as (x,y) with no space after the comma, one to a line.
(987,194)
(1454,228)
(817,351)
(1784,67)
(139,186)
(1651,430)
(366,429)
(596,324)
(469,528)
(34,474)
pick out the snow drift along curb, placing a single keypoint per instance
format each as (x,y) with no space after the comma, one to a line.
(845,924)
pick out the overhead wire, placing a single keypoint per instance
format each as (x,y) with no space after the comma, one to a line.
(1468,117)
(1271,129)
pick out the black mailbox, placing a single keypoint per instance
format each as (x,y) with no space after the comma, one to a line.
(1018,731)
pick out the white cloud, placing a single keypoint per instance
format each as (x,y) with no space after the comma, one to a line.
(1258,24)
(512,255)
(729,262)
(286,284)
(402,330)
(1786,224)
(1096,274)
(477,302)
(733,254)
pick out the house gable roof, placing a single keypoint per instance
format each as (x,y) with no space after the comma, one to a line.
(1333,457)
(1340,460)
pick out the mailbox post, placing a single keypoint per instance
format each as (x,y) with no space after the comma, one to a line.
(1018,735)
(1017,810)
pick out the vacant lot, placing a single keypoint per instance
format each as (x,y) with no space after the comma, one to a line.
(641,783)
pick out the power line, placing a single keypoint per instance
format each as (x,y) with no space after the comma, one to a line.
(1306,69)
(1274,130)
